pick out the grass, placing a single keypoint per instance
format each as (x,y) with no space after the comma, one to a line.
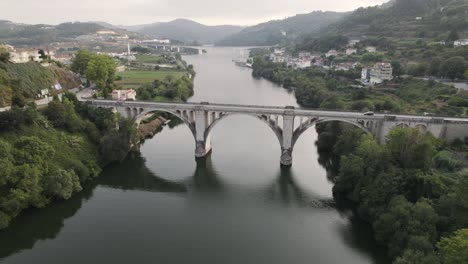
(148,58)
(134,79)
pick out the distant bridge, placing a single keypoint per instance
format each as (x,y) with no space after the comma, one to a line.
(172,47)
(288,123)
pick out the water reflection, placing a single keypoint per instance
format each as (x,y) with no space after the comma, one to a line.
(286,190)
(42,224)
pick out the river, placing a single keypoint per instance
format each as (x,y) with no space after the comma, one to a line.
(237,206)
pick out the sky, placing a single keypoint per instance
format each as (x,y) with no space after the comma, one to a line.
(133,12)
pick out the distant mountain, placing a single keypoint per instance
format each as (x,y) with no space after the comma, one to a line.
(280,31)
(186,31)
(404,19)
(24,34)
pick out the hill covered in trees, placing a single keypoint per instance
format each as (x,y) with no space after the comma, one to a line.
(187,31)
(48,155)
(405,19)
(282,31)
(27,79)
(41,34)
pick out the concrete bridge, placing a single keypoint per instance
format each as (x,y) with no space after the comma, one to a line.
(288,123)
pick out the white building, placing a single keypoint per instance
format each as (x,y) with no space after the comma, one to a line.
(25,55)
(365,75)
(351,51)
(124,95)
(460,42)
(305,55)
(331,53)
(353,42)
(381,72)
(371,49)
(302,64)
(105,32)
(345,66)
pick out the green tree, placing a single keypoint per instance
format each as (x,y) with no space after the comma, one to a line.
(411,148)
(454,67)
(453,35)
(81,60)
(101,70)
(454,249)
(4,56)
(18,99)
(397,68)
(61,183)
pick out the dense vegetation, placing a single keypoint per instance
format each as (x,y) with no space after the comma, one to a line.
(331,89)
(412,190)
(397,19)
(46,156)
(174,89)
(98,68)
(282,31)
(27,79)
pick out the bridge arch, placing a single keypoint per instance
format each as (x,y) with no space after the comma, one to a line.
(303,128)
(272,125)
(138,118)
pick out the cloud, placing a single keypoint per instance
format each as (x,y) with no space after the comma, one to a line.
(145,11)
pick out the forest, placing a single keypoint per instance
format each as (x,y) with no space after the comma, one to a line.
(412,190)
(48,154)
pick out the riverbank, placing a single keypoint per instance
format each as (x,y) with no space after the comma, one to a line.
(408,173)
(412,190)
(149,129)
(49,154)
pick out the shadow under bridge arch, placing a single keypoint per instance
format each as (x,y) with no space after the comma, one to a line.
(186,116)
(365,125)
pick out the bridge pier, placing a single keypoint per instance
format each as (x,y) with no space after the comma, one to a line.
(202,149)
(287,138)
(203,141)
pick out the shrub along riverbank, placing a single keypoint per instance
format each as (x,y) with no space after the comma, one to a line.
(48,155)
(412,190)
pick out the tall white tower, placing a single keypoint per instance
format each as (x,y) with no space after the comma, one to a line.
(128,49)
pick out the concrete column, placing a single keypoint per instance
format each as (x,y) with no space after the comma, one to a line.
(203,144)
(287,147)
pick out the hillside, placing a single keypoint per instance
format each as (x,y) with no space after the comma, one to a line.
(186,31)
(281,31)
(24,34)
(29,78)
(405,19)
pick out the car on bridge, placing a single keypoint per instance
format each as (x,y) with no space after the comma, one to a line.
(369,113)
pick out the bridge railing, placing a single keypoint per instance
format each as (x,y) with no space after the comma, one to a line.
(296,110)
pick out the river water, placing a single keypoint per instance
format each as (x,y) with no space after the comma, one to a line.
(237,206)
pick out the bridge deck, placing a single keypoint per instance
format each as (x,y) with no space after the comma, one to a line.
(268,110)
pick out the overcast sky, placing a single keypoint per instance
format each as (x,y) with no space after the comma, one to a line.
(131,12)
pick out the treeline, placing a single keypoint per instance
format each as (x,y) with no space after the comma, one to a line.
(175,89)
(49,155)
(330,89)
(397,19)
(412,190)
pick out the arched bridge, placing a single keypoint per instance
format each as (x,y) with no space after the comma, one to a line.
(288,123)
